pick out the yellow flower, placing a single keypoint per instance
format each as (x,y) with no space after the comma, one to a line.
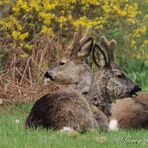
(146,42)
(46,30)
(28,46)
(24,36)
(15,35)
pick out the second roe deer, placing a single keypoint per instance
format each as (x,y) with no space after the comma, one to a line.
(110,82)
(127,113)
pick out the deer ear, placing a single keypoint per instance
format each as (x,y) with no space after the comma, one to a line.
(85,48)
(99,56)
(113,44)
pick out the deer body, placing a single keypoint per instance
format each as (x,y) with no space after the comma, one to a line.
(131,113)
(63,108)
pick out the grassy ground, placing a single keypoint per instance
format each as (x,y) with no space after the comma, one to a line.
(138,72)
(13,135)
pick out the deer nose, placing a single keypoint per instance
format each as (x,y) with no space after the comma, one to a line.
(135,90)
(48,75)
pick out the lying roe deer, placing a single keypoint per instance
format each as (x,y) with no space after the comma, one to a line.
(109,82)
(67,107)
(131,113)
(128,112)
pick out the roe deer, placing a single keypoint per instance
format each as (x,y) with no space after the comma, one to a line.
(131,113)
(109,82)
(67,107)
(128,112)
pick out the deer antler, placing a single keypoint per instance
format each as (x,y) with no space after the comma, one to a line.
(86,36)
(108,47)
(77,41)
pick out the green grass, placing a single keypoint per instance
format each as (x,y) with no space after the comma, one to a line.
(13,135)
(137,70)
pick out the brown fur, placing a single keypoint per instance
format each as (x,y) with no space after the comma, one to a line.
(63,108)
(100,117)
(131,112)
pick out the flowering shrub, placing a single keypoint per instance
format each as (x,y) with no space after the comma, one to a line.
(124,20)
(27,27)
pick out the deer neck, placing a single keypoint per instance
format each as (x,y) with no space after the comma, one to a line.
(85,81)
(99,96)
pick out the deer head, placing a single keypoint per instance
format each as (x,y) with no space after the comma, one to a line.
(110,82)
(72,69)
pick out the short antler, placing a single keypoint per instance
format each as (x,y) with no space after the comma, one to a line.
(77,41)
(86,36)
(108,47)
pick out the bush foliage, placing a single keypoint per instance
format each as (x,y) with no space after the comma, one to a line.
(124,20)
(34,33)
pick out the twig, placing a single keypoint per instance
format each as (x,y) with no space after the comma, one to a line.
(25,71)
(30,76)
(36,64)
(14,68)
(22,75)
(41,76)
(44,51)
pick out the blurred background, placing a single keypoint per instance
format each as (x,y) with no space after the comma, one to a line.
(34,33)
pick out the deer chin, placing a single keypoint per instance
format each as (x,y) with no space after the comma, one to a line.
(46,80)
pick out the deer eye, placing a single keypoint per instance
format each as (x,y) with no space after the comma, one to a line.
(120,75)
(61,63)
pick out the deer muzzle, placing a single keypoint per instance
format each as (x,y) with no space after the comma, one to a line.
(48,75)
(135,90)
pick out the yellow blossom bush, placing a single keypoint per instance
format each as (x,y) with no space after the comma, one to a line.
(124,20)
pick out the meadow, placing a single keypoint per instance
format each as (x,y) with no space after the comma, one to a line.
(12,134)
